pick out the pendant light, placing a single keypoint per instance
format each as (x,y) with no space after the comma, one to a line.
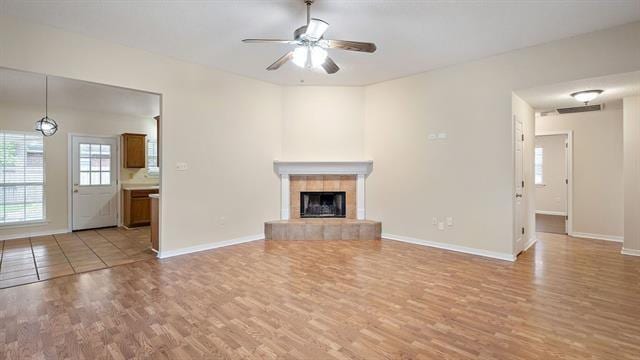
(47,126)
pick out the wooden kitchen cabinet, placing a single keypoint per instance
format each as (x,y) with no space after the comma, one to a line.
(137,207)
(134,149)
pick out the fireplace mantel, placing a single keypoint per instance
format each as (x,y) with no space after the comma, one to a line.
(323,167)
(287,168)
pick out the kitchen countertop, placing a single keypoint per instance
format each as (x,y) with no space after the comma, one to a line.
(140,187)
(154,196)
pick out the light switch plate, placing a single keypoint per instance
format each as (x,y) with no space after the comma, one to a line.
(442,135)
(440,225)
(449,221)
(434,221)
(432,136)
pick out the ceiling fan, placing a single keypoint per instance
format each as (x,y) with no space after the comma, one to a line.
(310,51)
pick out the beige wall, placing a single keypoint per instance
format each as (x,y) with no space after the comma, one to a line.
(468,176)
(598,194)
(15,117)
(229,129)
(323,123)
(551,194)
(631,121)
(226,127)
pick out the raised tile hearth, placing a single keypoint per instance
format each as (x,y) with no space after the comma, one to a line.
(322,229)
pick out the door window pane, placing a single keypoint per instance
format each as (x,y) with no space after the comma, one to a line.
(95,164)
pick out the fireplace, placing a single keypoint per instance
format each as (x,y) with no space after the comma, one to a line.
(322,204)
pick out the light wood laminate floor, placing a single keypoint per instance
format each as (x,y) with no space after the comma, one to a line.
(564,298)
(28,260)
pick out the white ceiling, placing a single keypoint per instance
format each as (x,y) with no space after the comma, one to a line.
(412,36)
(18,87)
(556,96)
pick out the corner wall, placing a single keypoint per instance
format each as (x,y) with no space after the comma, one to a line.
(323,123)
(631,116)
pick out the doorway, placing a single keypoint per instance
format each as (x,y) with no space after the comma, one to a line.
(94,168)
(552,169)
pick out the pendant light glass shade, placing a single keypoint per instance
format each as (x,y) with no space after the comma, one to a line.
(47,126)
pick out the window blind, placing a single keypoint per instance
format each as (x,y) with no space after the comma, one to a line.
(152,157)
(21,177)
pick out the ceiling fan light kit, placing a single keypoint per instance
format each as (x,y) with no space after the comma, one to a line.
(311,52)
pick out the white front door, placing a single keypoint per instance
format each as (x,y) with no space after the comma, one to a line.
(94,161)
(519,186)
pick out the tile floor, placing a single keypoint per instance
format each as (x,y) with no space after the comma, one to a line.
(28,260)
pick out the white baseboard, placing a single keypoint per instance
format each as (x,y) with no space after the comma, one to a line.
(451,247)
(597,236)
(556,213)
(209,246)
(632,252)
(33,234)
(530,243)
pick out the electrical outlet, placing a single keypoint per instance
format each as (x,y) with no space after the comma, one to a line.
(432,136)
(442,136)
(182,166)
(449,221)
(440,225)
(434,221)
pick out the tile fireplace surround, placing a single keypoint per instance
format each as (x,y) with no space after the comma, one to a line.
(318,176)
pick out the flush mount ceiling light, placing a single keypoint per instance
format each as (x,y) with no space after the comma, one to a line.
(587,95)
(310,52)
(47,126)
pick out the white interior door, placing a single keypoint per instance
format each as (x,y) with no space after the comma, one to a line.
(94,187)
(519,186)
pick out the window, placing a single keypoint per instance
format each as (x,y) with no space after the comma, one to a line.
(95,164)
(153,167)
(538,165)
(21,177)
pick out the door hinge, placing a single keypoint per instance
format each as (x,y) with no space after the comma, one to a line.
(523,231)
(566,181)
(523,184)
(522,137)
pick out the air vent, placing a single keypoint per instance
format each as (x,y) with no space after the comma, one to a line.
(580,109)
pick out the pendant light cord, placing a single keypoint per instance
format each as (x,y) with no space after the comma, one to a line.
(46,96)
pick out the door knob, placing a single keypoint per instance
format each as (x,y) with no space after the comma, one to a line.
(518,195)
(75,190)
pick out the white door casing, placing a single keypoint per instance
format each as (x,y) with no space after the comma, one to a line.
(519,187)
(94,186)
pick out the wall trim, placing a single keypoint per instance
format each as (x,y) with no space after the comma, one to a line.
(33,234)
(209,246)
(556,213)
(451,247)
(597,236)
(632,252)
(530,243)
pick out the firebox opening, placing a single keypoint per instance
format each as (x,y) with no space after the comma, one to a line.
(322,204)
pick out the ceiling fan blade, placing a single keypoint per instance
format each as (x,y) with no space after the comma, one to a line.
(270,41)
(349,45)
(315,29)
(276,65)
(329,66)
